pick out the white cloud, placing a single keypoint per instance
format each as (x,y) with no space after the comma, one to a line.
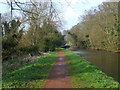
(70,13)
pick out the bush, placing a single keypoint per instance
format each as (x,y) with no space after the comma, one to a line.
(30,50)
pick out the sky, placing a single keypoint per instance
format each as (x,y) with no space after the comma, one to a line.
(73,10)
(70,10)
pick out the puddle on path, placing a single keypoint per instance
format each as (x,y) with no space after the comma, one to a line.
(60,58)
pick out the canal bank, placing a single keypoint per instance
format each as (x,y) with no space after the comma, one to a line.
(70,70)
(107,61)
(86,75)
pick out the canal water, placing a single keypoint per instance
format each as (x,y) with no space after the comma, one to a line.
(108,62)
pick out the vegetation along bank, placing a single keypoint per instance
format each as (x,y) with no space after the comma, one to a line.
(32,75)
(84,74)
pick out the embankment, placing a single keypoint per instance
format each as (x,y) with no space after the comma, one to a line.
(85,75)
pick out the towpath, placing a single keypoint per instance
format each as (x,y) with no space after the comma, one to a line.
(59,77)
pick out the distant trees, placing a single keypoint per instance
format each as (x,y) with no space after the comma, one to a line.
(42,34)
(99,29)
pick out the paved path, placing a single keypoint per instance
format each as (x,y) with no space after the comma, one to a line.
(59,76)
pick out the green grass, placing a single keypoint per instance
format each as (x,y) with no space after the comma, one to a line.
(10,65)
(85,75)
(32,75)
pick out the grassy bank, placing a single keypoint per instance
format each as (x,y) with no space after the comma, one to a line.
(10,65)
(32,75)
(85,75)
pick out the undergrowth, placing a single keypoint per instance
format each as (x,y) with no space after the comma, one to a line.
(32,75)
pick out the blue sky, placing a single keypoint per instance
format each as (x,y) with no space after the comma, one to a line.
(70,9)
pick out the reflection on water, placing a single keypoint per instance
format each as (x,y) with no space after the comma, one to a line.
(106,61)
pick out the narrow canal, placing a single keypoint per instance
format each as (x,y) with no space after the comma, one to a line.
(108,62)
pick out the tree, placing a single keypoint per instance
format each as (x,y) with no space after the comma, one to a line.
(42,33)
(99,29)
(11,37)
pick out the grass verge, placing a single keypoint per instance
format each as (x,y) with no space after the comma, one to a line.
(32,75)
(85,75)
